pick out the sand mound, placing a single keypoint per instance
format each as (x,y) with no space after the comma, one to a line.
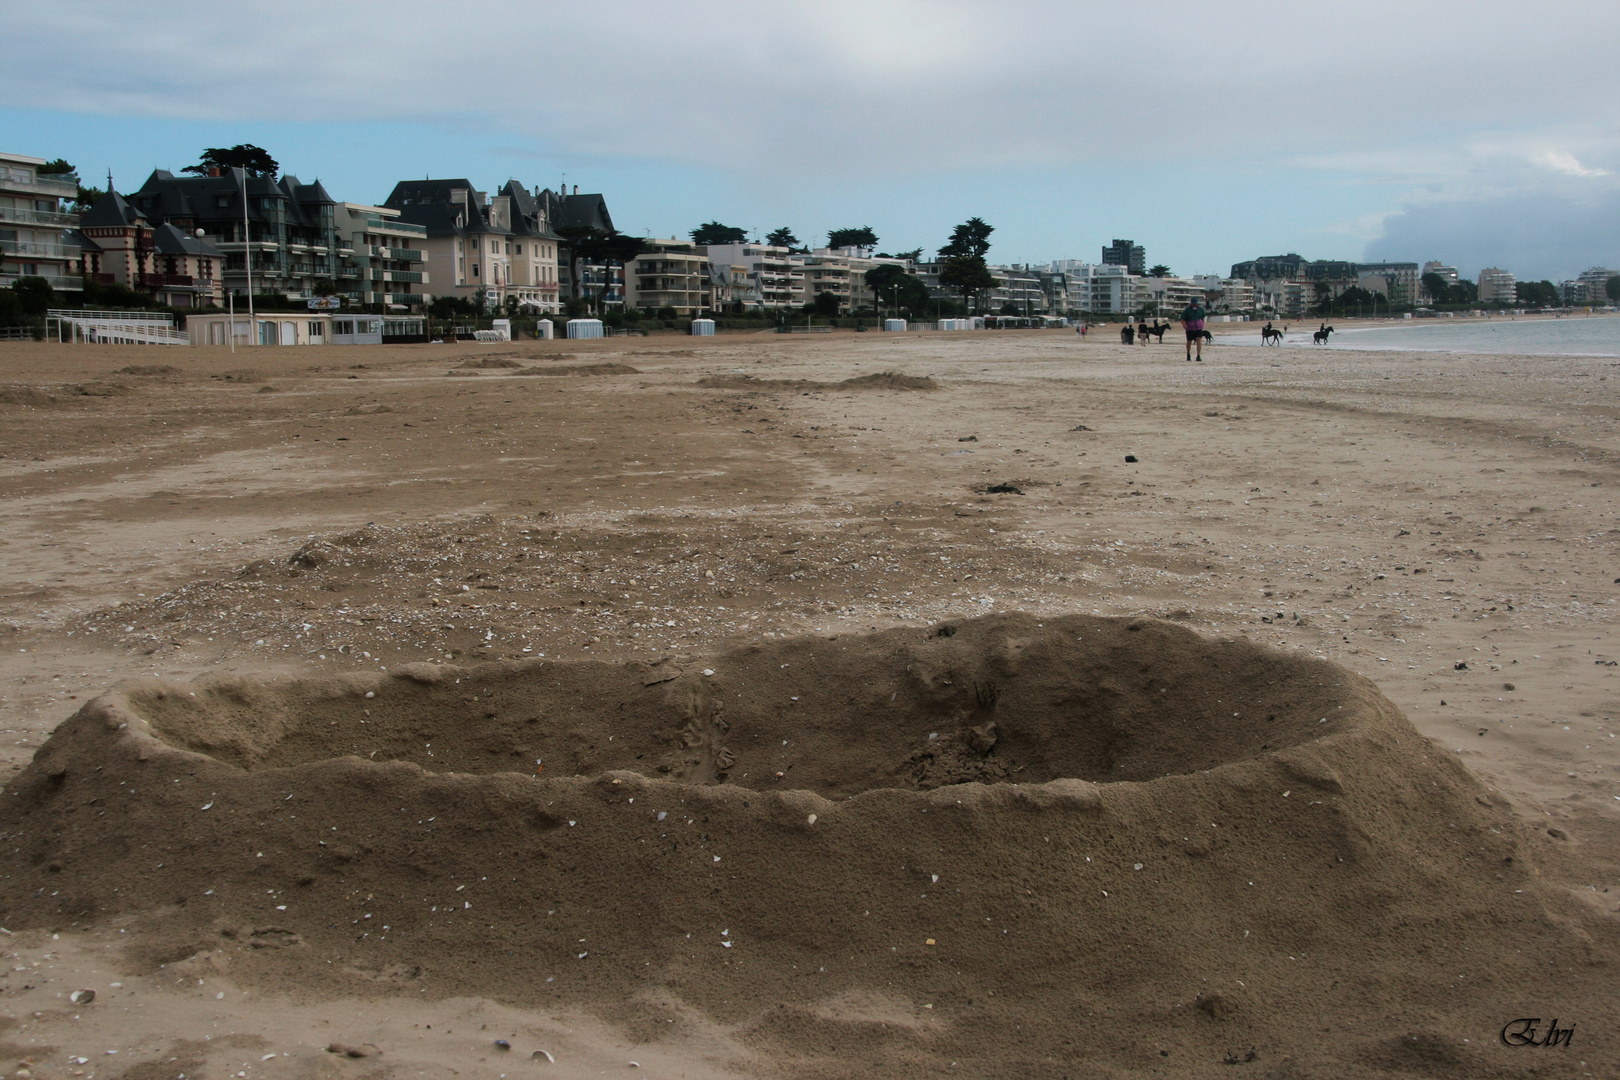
(148,369)
(888,380)
(582,369)
(490,362)
(969,844)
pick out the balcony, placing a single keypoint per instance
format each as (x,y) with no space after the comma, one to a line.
(55,281)
(165,280)
(415,276)
(39,217)
(348,271)
(17,249)
(40,185)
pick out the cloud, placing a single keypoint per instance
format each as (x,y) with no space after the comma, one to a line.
(1534,235)
(1567,163)
(801,89)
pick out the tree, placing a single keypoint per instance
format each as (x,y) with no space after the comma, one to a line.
(914,255)
(970,239)
(600,247)
(55,167)
(34,295)
(967,275)
(862,237)
(712,232)
(1537,294)
(1159,270)
(1437,288)
(253,159)
(782,237)
(86,198)
(892,285)
(1611,288)
(825,303)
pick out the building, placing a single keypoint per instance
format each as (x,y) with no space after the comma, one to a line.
(1284,298)
(119,246)
(1124,253)
(33,224)
(1227,296)
(825,270)
(1596,281)
(382,260)
(573,215)
(670,274)
(768,273)
(533,275)
(288,226)
(1108,289)
(1497,287)
(1018,287)
(1401,282)
(465,234)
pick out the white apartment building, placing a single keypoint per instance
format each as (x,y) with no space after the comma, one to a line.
(382,260)
(770,276)
(1225,295)
(670,274)
(1497,286)
(32,222)
(1596,281)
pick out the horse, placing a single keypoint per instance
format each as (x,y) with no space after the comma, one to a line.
(1270,335)
(1321,336)
(1158,331)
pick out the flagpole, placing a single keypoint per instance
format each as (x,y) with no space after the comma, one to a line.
(247,256)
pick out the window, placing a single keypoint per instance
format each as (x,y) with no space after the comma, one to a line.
(495,247)
(475,269)
(316,328)
(520,249)
(343,326)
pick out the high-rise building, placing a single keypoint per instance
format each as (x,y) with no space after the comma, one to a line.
(33,241)
(1497,286)
(1127,254)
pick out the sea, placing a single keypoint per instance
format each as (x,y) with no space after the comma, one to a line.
(1572,335)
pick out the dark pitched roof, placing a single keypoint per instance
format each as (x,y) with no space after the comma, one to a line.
(428,203)
(576,211)
(111,212)
(169,240)
(528,216)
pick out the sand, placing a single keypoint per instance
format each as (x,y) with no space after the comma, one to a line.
(750,580)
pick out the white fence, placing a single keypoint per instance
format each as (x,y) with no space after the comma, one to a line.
(113,327)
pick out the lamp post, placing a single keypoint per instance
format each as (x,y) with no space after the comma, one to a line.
(247,261)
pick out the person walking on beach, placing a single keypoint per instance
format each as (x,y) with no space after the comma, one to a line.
(1192,321)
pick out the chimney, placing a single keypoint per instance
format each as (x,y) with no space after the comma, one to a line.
(213,170)
(576,189)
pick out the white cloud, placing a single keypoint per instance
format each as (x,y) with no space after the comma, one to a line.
(1566,163)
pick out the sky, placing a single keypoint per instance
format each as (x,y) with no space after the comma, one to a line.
(1479,134)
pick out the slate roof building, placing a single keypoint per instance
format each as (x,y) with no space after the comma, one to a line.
(289,225)
(120,246)
(496,248)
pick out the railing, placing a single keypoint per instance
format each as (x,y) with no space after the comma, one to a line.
(38,217)
(414,276)
(62,189)
(151,280)
(399,254)
(379,224)
(55,281)
(44,251)
(348,271)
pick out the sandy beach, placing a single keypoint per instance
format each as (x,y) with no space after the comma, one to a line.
(345,592)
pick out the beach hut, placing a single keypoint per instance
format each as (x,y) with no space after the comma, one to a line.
(584,328)
(703,328)
(895,324)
